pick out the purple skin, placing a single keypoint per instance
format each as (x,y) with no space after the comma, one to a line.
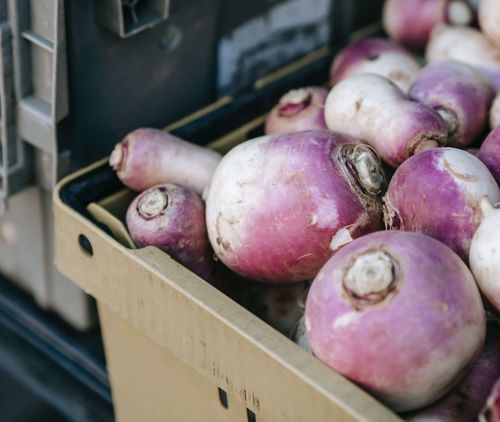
(371,108)
(149,157)
(172,218)
(460,94)
(399,314)
(279,206)
(410,22)
(298,110)
(437,192)
(466,400)
(376,55)
(489,153)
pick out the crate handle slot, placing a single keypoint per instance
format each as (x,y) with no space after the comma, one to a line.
(85,245)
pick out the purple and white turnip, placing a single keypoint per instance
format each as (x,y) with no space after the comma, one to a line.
(489,20)
(376,55)
(437,192)
(148,157)
(372,108)
(460,94)
(399,314)
(484,256)
(278,206)
(298,110)
(466,45)
(172,218)
(489,153)
(410,22)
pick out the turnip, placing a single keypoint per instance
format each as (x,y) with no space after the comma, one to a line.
(491,411)
(489,153)
(489,20)
(148,157)
(437,192)
(466,400)
(460,94)
(410,22)
(298,110)
(172,218)
(372,108)
(495,112)
(399,314)
(484,257)
(278,206)
(379,56)
(466,45)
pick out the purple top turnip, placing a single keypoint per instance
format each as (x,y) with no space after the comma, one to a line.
(376,55)
(484,256)
(466,45)
(148,157)
(172,218)
(491,411)
(466,400)
(489,153)
(495,112)
(280,205)
(372,108)
(437,192)
(410,22)
(460,94)
(298,110)
(399,314)
(489,20)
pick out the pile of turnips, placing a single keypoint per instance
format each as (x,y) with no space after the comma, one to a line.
(364,219)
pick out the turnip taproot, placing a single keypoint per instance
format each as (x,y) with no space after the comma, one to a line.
(278,206)
(460,94)
(372,108)
(399,314)
(484,257)
(299,109)
(489,20)
(465,401)
(148,157)
(466,45)
(410,22)
(437,192)
(489,153)
(376,55)
(172,218)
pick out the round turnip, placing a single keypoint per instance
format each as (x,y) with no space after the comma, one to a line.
(489,153)
(398,313)
(279,206)
(298,110)
(376,55)
(372,108)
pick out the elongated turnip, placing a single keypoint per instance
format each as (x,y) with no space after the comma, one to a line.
(437,192)
(489,20)
(484,257)
(148,157)
(299,109)
(172,218)
(491,411)
(495,112)
(372,108)
(489,153)
(410,22)
(465,401)
(466,45)
(279,206)
(399,314)
(460,94)
(376,55)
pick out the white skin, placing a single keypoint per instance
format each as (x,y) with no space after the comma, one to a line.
(495,112)
(489,20)
(484,256)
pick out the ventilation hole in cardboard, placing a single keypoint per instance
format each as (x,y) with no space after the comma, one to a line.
(223,398)
(85,245)
(250,416)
